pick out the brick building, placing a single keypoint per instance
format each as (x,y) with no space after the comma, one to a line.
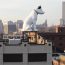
(58,39)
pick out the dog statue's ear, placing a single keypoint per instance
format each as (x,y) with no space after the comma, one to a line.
(39,7)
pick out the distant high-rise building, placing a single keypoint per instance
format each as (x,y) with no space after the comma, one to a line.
(5,28)
(11,27)
(45,23)
(19,25)
(63,10)
(62,21)
(1,27)
(42,27)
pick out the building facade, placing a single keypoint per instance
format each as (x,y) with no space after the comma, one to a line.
(5,28)
(11,27)
(58,39)
(1,27)
(62,20)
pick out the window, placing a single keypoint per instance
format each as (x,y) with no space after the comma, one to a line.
(12,58)
(37,57)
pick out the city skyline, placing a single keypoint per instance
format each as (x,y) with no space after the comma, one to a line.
(15,10)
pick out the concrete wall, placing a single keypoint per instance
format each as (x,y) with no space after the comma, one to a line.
(26,48)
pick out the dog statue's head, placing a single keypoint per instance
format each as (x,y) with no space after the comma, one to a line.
(39,10)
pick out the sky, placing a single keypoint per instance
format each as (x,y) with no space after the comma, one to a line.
(19,9)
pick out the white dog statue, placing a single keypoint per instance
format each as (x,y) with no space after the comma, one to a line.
(29,23)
